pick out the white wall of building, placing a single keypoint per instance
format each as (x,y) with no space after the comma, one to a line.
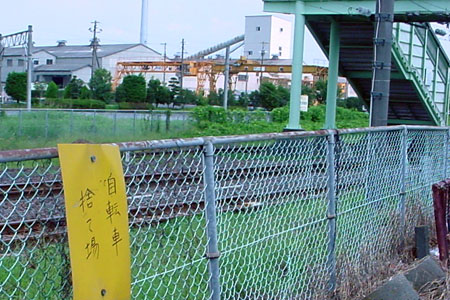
(257,31)
(273,32)
(281,38)
(83,74)
(41,58)
(136,53)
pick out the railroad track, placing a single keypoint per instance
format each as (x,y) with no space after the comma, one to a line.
(35,209)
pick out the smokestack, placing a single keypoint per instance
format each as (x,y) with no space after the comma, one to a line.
(144,22)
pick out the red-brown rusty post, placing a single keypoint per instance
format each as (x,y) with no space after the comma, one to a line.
(440,200)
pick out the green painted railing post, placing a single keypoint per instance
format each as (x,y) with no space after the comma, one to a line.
(424,56)
(333,75)
(297,68)
(435,74)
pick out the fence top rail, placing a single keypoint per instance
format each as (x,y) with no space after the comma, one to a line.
(48,153)
(89,110)
(138,111)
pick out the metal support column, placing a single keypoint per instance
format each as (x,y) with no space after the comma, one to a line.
(379,100)
(333,74)
(297,68)
(404,161)
(331,213)
(227,78)
(30,65)
(446,99)
(211,222)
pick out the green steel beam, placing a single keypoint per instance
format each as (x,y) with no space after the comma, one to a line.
(368,75)
(350,7)
(333,75)
(409,122)
(297,69)
(424,55)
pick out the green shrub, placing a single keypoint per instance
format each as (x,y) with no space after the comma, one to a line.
(280,115)
(209,114)
(75,103)
(52,90)
(16,85)
(132,89)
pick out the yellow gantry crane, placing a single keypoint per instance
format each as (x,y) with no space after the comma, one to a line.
(209,70)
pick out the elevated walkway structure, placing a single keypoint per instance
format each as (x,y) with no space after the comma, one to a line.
(420,78)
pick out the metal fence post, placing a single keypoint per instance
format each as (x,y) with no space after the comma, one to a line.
(46,123)
(94,121)
(446,145)
(20,122)
(404,162)
(71,122)
(331,213)
(211,223)
(115,123)
(134,122)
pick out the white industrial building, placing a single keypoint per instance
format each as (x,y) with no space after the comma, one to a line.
(61,62)
(267,36)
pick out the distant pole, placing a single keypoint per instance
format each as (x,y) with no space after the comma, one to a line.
(94,45)
(379,99)
(227,78)
(182,61)
(1,62)
(164,66)
(263,52)
(30,65)
(144,22)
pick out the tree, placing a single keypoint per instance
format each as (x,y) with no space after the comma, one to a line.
(320,88)
(273,96)
(157,93)
(85,93)
(39,87)
(73,89)
(243,100)
(100,85)
(186,96)
(16,85)
(132,89)
(214,98)
(174,86)
(52,91)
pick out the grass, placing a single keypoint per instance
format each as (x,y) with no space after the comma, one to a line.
(39,129)
(273,251)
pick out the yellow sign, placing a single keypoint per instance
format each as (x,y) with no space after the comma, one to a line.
(97,221)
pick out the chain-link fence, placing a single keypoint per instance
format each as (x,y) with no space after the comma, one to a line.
(92,123)
(271,216)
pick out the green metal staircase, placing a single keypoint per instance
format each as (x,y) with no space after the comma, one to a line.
(420,82)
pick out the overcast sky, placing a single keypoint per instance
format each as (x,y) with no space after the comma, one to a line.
(202,23)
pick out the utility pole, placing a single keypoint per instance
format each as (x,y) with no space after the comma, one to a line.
(164,65)
(182,67)
(94,45)
(381,81)
(30,65)
(263,52)
(227,78)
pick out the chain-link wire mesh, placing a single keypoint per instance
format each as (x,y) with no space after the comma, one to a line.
(293,214)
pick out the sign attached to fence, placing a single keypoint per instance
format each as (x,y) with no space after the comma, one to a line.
(97,221)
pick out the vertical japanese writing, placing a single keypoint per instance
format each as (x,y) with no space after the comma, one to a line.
(116,240)
(86,199)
